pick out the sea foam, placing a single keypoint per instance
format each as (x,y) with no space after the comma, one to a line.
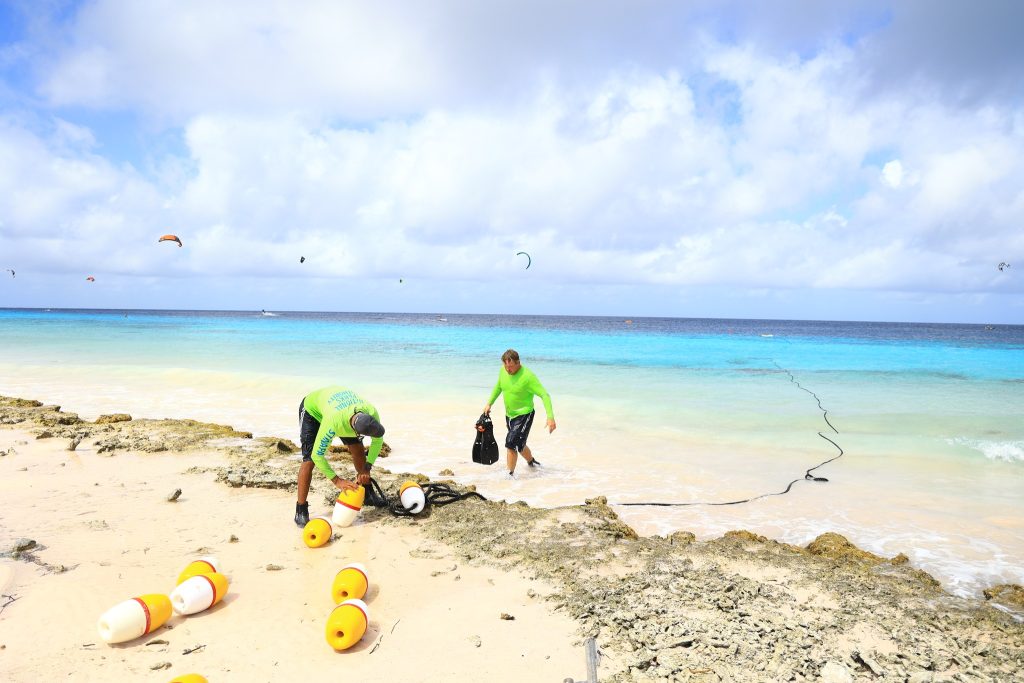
(1005,451)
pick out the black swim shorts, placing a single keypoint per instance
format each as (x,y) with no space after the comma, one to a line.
(308,427)
(518,430)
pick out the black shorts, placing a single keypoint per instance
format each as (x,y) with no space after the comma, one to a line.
(518,430)
(308,427)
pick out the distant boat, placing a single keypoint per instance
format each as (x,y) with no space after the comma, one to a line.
(767,335)
(441,319)
(268,314)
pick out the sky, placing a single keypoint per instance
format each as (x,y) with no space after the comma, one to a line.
(841,160)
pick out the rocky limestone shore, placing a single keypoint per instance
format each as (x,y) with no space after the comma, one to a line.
(737,608)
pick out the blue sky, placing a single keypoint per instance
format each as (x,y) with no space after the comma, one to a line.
(857,160)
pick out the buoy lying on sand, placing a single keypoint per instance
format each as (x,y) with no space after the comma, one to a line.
(350,583)
(133,618)
(204,565)
(317,532)
(199,593)
(346,624)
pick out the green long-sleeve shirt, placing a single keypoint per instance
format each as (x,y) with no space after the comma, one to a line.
(334,407)
(519,390)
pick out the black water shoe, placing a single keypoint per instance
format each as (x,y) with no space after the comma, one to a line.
(302,514)
(533,463)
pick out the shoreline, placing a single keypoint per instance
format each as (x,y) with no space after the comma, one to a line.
(740,607)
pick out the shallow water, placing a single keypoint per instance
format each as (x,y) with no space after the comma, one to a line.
(929,418)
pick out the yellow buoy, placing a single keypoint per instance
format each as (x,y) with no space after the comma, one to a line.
(204,565)
(133,618)
(189,678)
(317,532)
(350,583)
(346,624)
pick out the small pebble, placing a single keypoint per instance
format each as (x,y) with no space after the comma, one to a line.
(507,617)
(174,496)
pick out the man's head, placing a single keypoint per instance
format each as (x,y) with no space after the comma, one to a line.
(511,361)
(365,425)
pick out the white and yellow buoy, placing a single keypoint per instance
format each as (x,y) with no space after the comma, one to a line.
(133,618)
(350,583)
(317,532)
(199,593)
(204,565)
(346,624)
(412,497)
(347,506)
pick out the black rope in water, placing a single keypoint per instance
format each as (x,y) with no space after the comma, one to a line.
(807,475)
(434,493)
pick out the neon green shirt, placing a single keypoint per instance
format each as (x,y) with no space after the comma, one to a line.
(519,390)
(334,407)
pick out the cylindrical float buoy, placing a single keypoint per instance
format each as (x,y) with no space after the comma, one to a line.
(347,507)
(189,678)
(134,618)
(317,532)
(412,497)
(346,624)
(350,583)
(204,565)
(200,592)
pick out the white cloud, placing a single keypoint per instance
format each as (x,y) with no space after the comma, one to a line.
(392,141)
(892,173)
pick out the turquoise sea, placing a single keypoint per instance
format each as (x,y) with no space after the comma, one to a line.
(927,420)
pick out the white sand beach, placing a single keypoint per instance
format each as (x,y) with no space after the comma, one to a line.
(105,532)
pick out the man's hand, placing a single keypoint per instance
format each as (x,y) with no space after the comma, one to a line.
(344,484)
(551,425)
(363,478)
(487,409)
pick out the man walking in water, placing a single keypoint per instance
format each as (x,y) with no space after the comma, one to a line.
(519,385)
(324,414)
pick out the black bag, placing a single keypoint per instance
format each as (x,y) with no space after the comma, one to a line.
(485,448)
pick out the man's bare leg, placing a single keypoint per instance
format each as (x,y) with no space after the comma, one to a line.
(305,477)
(511,457)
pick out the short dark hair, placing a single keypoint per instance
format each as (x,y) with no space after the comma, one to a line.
(511,354)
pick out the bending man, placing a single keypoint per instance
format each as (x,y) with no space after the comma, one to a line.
(519,385)
(327,413)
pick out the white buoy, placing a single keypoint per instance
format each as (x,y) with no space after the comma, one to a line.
(412,497)
(198,593)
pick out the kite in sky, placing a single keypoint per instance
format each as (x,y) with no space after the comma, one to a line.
(170,238)
(1004,264)
(302,259)
(529,260)
(91,279)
